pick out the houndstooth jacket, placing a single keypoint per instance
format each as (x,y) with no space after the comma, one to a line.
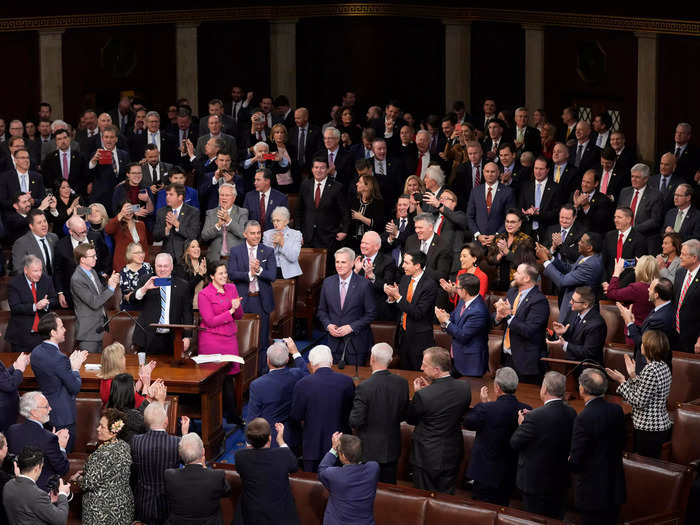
(648,393)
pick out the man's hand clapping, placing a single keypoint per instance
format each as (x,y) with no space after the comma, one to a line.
(77,358)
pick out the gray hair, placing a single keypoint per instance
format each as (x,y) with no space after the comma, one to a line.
(425,217)
(155,415)
(333,130)
(345,251)
(191,448)
(527,155)
(593,381)
(251,222)
(59,124)
(320,355)
(373,236)
(261,146)
(507,380)
(229,185)
(29,402)
(423,132)
(282,212)
(555,383)
(73,219)
(642,169)
(685,125)
(30,259)
(164,255)
(278,354)
(382,353)
(3,440)
(521,108)
(693,247)
(153,114)
(435,173)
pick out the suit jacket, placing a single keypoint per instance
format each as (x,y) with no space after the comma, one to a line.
(597,442)
(688,163)
(567,277)
(483,222)
(88,303)
(28,504)
(390,183)
(542,442)
(454,229)
(527,330)
(252,204)
(322,401)
(234,231)
(666,194)
(493,462)
(649,215)
(400,240)
(167,148)
(208,192)
(288,255)
(129,120)
(52,170)
(585,338)
(569,178)
(351,491)
(10,379)
(173,134)
(437,411)
(194,495)
(690,227)
(229,125)
(239,273)
(15,225)
(358,311)
(377,411)
(439,257)
(567,250)
(419,312)
(617,181)
(470,337)
(590,158)
(344,164)
(313,142)
(550,204)
(163,171)
(64,262)
(26,245)
(21,302)
(104,180)
(180,309)
(384,273)
(599,217)
(531,141)
(174,242)
(57,381)
(663,319)
(635,246)
(151,454)
(688,313)
(231,145)
(9,187)
(331,216)
(266,496)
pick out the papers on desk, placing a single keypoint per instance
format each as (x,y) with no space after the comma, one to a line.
(217,358)
(93,367)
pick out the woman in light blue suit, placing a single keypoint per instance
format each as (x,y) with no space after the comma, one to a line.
(286,242)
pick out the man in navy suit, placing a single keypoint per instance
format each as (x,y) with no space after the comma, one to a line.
(352,486)
(57,375)
(346,309)
(10,379)
(104,175)
(542,441)
(252,267)
(322,401)
(488,202)
(584,154)
(525,310)
(262,202)
(468,324)
(21,179)
(35,408)
(493,462)
(270,395)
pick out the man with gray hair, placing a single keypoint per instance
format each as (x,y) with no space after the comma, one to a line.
(542,440)
(597,443)
(377,411)
(224,224)
(194,492)
(379,268)
(493,462)
(436,249)
(686,297)
(322,402)
(646,203)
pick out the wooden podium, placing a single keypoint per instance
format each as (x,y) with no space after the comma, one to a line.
(178,344)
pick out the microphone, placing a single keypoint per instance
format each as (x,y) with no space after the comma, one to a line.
(341,362)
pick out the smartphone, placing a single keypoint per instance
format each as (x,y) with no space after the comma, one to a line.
(268,156)
(105,157)
(458,128)
(49,193)
(162,281)
(279,341)
(135,208)
(630,263)
(83,210)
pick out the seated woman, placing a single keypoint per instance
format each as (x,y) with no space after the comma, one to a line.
(669,260)
(113,362)
(366,210)
(510,249)
(469,259)
(286,242)
(648,394)
(96,221)
(107,496)
(126,229)
(130,275)
(192,267)
(122,396)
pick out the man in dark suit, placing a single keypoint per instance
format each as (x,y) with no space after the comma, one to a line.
(304,140)
(562,238)
(340,161)
(493,139)
(58,376)
(215,132)
(38,241)
(526,312)
(21,180)
(598,439)
(346,309)
(493,462)
(594,209)
(622,242)
(450,223)
(582,334)
(611,179)
(239,108)
(322,401)
(123,116)
(30,295)
(261,202)
(84,136)
(266,496)
(646,203)
(379,407)
(65,163)
(97,141)
(489,114)
(390,126)
(625,156)
(584,154)
(539,200)
(216,109)
(564,172)
(526,137)
(683,218)
(165,304)
(16,220)
(686,297)
(176,223)
(438,253)
(488,203)
(178,133)
(252,268)
(436,410)
(666,181)
(104,172)
(10,380)
(152,135)
(389,171)
(687,154)
(379,269)
(152,453)
(194,492)
(513,174)
(398,229)
(542,441)
(415,298)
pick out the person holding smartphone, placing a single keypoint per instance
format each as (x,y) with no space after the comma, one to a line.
(134,191)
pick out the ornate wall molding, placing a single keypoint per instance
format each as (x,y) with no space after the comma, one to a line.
(573,20)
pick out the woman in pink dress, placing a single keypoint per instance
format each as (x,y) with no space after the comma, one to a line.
(219,307)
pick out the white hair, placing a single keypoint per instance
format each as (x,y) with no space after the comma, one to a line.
(261,146)
(693,247)
(155,415)
(278,354)
(435,173)
(191,448)
(373,237)
(29,402)
(58,124)
(345,251)
(506,379)
(642,169)
(153,114)
(423,132)
(164,255)
(333,130)
(282,212)
(382,353)
(229,185)
(320,356)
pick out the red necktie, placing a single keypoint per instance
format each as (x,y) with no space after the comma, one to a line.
(442,221)
(35,324)
(65,166)
(489,201)
(317,195)
(477,176)
(419,166)
(606,181)
(262,210)
(633,206)
(619,246)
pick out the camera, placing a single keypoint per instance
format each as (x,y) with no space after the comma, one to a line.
(418,196)
(53,484)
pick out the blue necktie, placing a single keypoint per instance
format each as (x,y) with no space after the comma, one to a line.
(538,200)
(163,304)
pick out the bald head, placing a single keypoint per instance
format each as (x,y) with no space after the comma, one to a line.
(370,243)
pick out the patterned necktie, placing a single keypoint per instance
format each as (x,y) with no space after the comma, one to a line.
(579,154)
(262,210)
(686,285)
(254,283)
(489,200)
(224,241)
(317,195)
(65,165)
(477,176)
(163,305)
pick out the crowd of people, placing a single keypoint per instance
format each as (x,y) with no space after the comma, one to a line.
(419,219)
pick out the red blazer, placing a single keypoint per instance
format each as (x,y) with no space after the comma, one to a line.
(483,286)
(106,386)
(122,238)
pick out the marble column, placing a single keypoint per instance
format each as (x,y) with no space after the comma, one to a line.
(283,59)
(51,70)
(647,57)
(534,67)
(186,71)
(458,63)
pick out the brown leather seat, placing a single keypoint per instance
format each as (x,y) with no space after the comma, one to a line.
(685,370)
(553,310)
(121,329)
(404,505)
(4,320)
(495,350)
(614,358)
(282,317)
(68,318)
(114,301)
(308,287)
(613,320)
(248,347)
(293,199)
(458,513)
(684,447)
(310,497)
(403,468)
(442,338)
(385,332)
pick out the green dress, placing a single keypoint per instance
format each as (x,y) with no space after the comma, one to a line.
(107,497)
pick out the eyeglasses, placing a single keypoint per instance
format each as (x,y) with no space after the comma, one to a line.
(577,302)
(45,407)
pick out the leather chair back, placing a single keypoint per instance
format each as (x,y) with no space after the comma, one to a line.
(385,332)
(685,445)
(495,349)
(4,320)
(282,317)
(442,338)
(614,358)
(4,280)
(403,468)
(308,286)
(395,504)
(121,329)
(310,498)
(454,513)
(685,369)
(114,301)
(248,346)
(613,320)
(553,310)
(292,199)
(68,319)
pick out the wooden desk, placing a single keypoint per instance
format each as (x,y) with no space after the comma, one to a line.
(204,380)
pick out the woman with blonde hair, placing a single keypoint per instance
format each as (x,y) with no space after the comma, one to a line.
(282,179)
(413,185)
(96,221)
(113,363)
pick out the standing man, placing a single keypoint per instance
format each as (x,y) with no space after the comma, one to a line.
(542,441)
(252,268)
(686,299)
(264,199)
(346,309)
(624,242)
(378,409)
(10,379)
(106,168)
(224,225)
(379,269)
(562,239)
(66,164)
(597,443)
(37,241)
(539,200)
(176,223)
(488,203)
(584,153)
(437,409)
(646,203)
(683,218)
